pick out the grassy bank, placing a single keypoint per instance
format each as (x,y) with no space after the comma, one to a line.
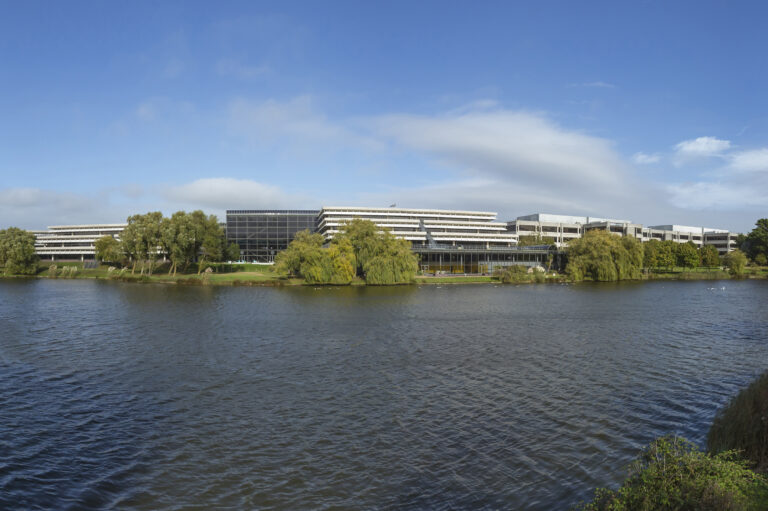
(264,275)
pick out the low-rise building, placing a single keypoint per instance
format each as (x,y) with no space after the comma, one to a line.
(73,242)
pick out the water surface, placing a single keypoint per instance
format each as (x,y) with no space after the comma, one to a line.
(151,397)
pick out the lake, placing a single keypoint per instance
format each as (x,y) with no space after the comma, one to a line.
(148,397)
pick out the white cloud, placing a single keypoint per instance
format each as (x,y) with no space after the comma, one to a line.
(717,195)
(518,146)
(221,193)
(702,147)
(34,208)
(645,159)
(750,161)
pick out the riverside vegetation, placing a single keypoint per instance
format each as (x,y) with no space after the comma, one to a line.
(194,245)
(673,474)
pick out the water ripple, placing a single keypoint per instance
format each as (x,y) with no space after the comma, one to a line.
(455,397)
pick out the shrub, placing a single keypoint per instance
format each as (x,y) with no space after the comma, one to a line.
(761,260)
(735,261)
(672,474)
(512,274)
(743,424)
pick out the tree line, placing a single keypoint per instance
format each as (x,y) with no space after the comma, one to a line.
(361,249)
(602,256)
(184,238)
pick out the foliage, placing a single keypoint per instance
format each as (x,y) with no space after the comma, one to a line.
(183,238)
(17,251)
(761,259)
(687,255)
(512,274)
(602,256)
(380,257)
(108,249)
(304,244)
(233,252)
(757,240)
(651,253)
(709,256)
(735,261)
(743,425)
(361,248)
(333,265)
(672,474)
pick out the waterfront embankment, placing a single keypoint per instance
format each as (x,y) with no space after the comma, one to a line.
(265,275)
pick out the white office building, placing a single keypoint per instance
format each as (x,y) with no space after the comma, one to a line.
(425,227)
(73,242)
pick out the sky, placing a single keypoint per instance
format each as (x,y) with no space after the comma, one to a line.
(654,112)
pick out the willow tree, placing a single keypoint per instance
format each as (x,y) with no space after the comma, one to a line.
(381,257)
(602,256)
(303,246)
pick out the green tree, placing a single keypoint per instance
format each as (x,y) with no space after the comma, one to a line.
(130,241)
(304,243)
(108,250)
(381,258)
(761,260)
(667,254)
(178,240)
(757,240)
(360,248)
(333,265)
(17,251)
(687,255)
(210,239)
(651,254)
(602,256)
(233,252)
(709,256)
(735,261)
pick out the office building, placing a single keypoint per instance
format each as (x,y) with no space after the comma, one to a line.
(262,233)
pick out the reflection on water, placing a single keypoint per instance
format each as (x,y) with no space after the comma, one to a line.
(444,397)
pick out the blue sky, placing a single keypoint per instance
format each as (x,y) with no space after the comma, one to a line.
(651,111)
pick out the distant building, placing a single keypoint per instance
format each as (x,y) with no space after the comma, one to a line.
(262,233)
(448,241)
(562,228)
(73,242)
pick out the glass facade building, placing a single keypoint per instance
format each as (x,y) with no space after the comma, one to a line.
(262,233)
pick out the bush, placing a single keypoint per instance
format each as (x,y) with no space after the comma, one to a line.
(735,261)
(512,274)
(743,425)
(761,260)
(672,474)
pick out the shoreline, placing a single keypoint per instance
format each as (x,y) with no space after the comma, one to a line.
(259,279)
